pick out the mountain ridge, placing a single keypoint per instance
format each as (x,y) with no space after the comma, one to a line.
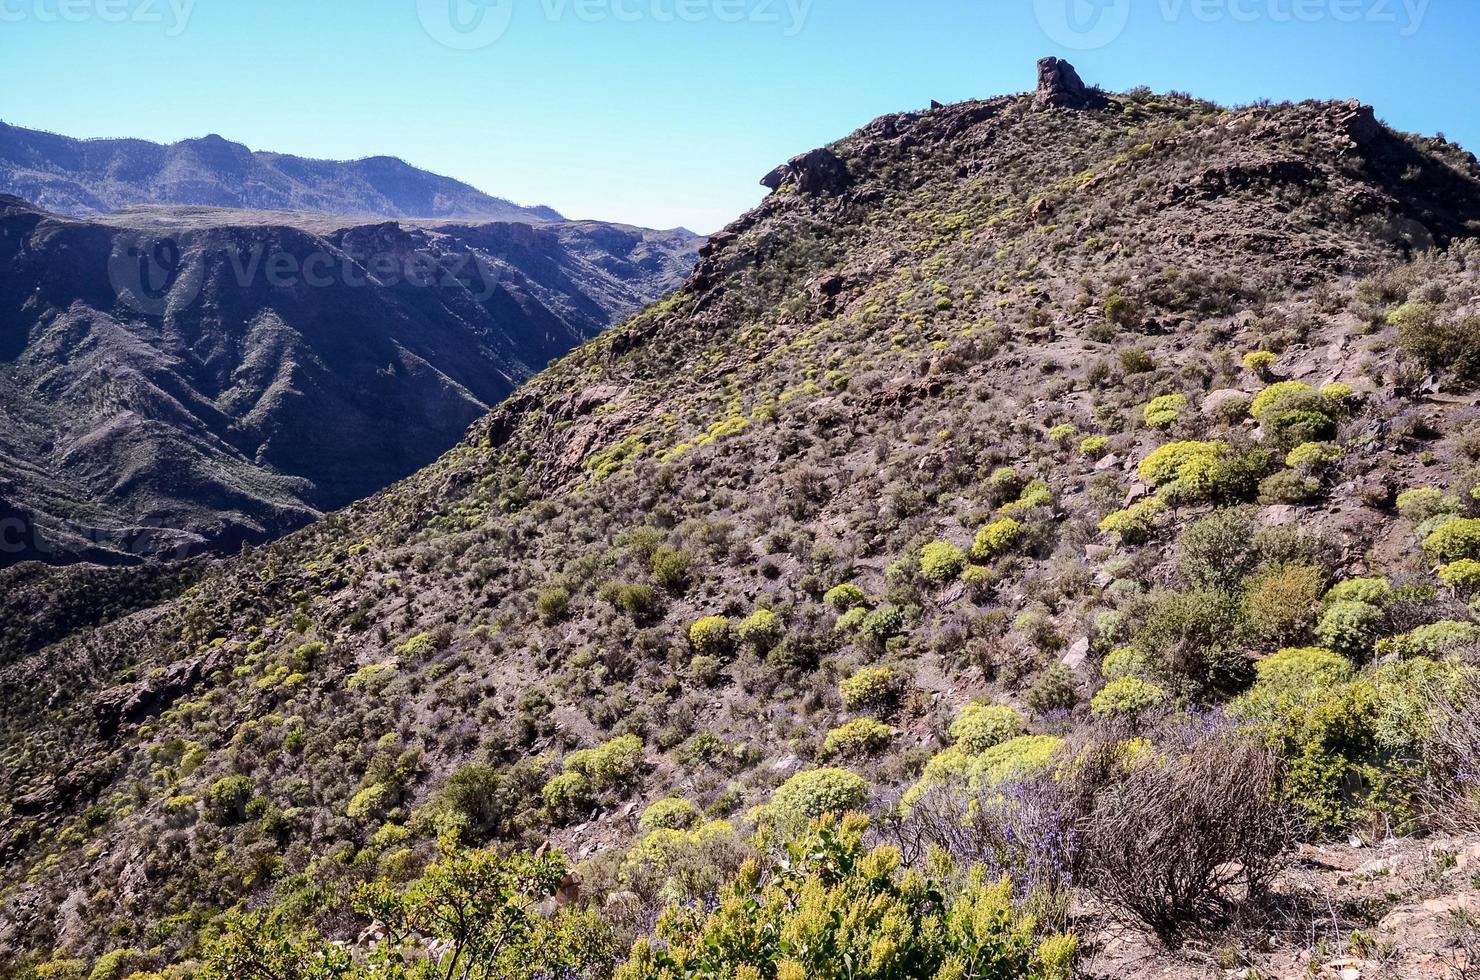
(82,177)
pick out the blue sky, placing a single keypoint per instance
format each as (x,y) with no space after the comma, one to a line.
(667,112)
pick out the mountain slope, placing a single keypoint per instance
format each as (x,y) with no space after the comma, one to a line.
(86,177)
(877,434)
(179,379)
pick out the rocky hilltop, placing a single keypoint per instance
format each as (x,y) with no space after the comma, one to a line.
(1078,483)
(176,380)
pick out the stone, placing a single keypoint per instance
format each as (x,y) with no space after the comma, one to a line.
(818,172)
(1060,87)
(1078,654)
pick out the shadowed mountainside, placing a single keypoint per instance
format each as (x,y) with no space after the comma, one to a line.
(173,380)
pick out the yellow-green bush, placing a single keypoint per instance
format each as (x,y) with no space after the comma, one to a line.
(845,596)
(869,688)
(1260,362)
(1296,669)
(761,630)
(712,636)
(1314,455)
(1455,541)
(1127,697)
(1125,662)
(981,726)
(859,737)
(1136,523)
(941,562)
(815,792)
(1422,504)
(1094,446)
(996,538)
(1017,758)
(672,813)
(1186,461)
(1350,627)
(1375,591)
(1164,411)
(833,909)
(1462,575)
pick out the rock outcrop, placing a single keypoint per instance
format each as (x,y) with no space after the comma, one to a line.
(816,172)
(1060,87)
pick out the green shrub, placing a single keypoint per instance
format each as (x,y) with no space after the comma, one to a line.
(1057,689)
(1449,344)
(829,908)
(1374,591)
(859,737)
(761,631)
(852,620)
(1350,627)
(816,792)
(637,600)
(1423,504)
(1289,487)
(972,772)
(568,795)
(845,596)
(1297,669)
(1136,523)
(1218,549)
(552,603)
(870,688)
(673,813)
(1194,637)
(1128,697)
(882,624)
(996,538)
(941,562)
(117,964)
(1125,662)
(670,568)
(705,669)
(712,636)
(1436,640)
(1281,602)
(1314,455)
(1455,541)
(610,765)
(1094,446)
(1260,362)
(1462,576)
(980,726)
(1164,411)
(1181,461)
(227,800)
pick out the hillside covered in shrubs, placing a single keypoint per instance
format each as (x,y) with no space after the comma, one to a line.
(1042,521)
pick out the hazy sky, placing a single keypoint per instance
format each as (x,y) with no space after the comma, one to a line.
(668,112)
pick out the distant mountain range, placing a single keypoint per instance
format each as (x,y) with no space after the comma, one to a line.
(175,380)
(86,177)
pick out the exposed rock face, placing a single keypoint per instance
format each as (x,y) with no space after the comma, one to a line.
(817,172)
(1060,87)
